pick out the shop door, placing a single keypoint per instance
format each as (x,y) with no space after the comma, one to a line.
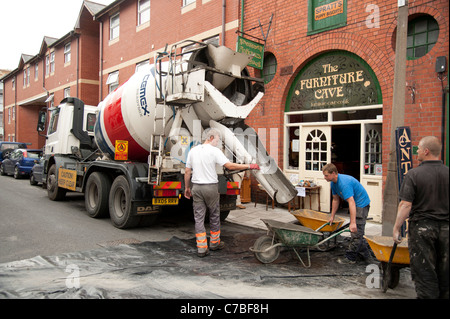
(371,171)
(315,146)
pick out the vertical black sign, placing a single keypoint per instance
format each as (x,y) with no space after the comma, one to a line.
(404,152)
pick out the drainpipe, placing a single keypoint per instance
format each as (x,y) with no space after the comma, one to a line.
(224,7)
(101,61)
(242,15)
(78,65)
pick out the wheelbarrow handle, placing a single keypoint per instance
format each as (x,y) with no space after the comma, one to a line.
(327,223)
(341,230)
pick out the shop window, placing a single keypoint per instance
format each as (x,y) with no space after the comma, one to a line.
(372,156)
(316,151)
(294,144)
(423,32)
(270,68)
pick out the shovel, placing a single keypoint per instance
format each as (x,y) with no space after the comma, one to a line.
(387,273)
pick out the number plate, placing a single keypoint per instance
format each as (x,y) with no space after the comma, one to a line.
(165,201)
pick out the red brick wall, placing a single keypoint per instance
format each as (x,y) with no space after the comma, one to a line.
(289,42)
(167,26)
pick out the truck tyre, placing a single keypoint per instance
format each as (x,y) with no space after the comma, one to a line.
(120,204)
(53,191)
(96,195)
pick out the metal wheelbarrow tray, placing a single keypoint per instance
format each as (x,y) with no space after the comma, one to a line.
(314,220)
(382,247)
(267,248)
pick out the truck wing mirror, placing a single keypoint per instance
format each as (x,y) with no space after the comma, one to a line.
(41,121)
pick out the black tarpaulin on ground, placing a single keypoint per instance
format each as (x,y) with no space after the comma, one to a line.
(171,269)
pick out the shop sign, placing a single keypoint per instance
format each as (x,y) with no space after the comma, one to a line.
(329,10)
(253,48)
(404,152)
(334,80)
(326,15)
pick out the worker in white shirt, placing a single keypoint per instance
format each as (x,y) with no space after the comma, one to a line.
(201,165)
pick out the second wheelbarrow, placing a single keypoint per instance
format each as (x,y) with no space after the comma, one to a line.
(392,257)
(267,248)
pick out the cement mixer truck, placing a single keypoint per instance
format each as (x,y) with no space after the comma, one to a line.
(127,155)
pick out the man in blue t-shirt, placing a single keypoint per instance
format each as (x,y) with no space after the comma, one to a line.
(351,190)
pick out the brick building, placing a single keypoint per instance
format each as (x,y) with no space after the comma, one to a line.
(133,31)
(330,90)
(63,67)
(328,68)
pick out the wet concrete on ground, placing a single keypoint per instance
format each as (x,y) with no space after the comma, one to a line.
(171,269)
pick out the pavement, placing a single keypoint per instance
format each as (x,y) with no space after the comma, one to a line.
(252,214)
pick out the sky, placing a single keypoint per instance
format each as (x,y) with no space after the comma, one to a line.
(24,23)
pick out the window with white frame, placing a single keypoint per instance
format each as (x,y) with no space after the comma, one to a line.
(36,71)
(66,92)
(114,26)
(141,65)
(113,81)
(143,11)
(52,62)
(24,78)
(186,2)
(47,65)
(67,53)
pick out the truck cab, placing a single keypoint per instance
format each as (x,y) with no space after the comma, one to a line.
(67,132)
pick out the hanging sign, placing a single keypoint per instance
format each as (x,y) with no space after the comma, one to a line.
(404,152)
(252,48)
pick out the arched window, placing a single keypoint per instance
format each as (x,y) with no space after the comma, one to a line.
(316,150)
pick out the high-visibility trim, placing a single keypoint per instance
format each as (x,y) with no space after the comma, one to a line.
(202,242)
(168,185)
(215,237)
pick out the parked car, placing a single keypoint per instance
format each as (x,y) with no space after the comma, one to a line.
(7,147)
(20,162)
(36,172)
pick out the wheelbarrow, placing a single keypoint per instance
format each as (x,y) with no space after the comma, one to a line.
(319,222)
(392,257)
(267,248)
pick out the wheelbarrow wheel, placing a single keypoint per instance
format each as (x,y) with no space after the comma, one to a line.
(263,243)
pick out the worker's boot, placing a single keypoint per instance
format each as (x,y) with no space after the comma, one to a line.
(214,241)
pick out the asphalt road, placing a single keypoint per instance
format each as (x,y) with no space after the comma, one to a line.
(32,225)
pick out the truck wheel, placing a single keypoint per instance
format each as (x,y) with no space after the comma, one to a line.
(53,191)
(224,215)
(96,195)
(120,204)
